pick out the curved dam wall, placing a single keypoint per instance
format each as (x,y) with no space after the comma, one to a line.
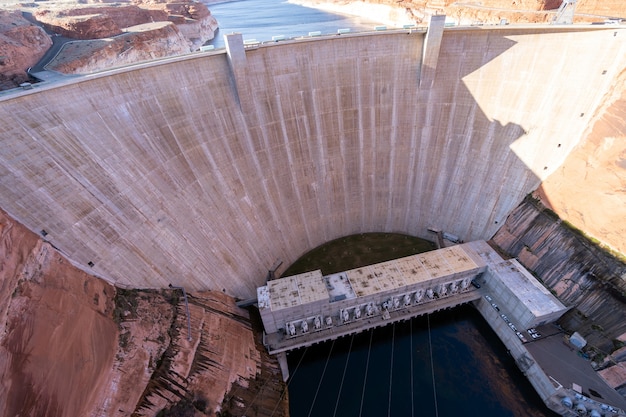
(200,173)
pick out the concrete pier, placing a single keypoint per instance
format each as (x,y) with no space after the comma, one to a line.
(552,389)
(430,54)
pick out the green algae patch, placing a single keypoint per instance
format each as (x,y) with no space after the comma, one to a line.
(359,250)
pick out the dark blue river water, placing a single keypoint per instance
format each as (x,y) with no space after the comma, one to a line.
(262,19)
(473,374)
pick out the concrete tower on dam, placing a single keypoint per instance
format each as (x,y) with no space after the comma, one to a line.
(204,170)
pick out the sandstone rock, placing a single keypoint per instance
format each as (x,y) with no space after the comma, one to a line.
(22,44)
(73,345)
(589,189)
(126,34)
(138,43)
(96,22)
(80,27)
(58,334)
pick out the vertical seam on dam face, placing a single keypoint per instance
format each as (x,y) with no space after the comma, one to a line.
(207,169)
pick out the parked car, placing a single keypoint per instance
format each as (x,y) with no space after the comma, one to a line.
(534,333)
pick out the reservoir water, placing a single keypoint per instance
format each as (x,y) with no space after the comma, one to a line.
(262,19)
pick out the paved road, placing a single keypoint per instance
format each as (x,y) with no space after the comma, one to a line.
(57,44)
(561,361)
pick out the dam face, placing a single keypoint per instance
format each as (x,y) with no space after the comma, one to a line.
(202,171)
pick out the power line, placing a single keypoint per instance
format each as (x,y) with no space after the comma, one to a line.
(393,337)
(432,366)
(366,368)
(411,352)
(321,377)
(289,382)
(345,368)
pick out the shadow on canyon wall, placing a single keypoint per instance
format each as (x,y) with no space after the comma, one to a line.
(585,277)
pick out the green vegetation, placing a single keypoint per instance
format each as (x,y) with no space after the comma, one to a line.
(597,327)
(354,251)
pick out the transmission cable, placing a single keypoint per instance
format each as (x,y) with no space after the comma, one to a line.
(288,382)
(432,366)
(345,368)
(366,368)
(393,337)
(411,353)
(321,378)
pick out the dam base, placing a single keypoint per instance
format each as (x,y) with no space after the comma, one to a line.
(307,309)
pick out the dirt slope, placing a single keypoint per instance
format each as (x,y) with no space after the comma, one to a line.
(59,339)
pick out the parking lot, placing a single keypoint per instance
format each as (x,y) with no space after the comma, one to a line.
(561,361)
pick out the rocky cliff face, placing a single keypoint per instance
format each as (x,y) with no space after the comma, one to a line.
(584,276)
(589,189)
(22,44)
(118,34)
(103,21)
(96,22)
(466,13)
(139,43)
(57,329)
(73,345)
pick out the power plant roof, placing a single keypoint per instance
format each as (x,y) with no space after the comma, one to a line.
(534,295)
(296,290)
(311,286)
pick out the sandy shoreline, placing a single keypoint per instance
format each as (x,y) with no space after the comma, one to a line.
(381,13)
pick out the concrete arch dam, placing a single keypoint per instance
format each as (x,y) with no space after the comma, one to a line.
(203,170)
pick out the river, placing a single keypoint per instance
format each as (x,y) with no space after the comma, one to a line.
(471,373)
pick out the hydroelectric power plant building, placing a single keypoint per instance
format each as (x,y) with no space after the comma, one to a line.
(310,303)
(309,308)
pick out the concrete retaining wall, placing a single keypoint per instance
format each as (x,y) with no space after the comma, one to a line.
(174,173)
